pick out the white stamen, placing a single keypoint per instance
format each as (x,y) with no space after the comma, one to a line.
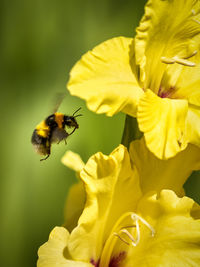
(134,241)
(196,21)
(129,235)
(167,60)
(138,232)
(193,54)
(185,62)
(193,12)
(144,222)
(181,61)
(122,239)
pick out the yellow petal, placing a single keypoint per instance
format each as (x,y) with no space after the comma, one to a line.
(156,174)
(188,82)
(163,122)
(76,197)
(54,252)
(105,78)
(193,125)
(176,241)
(74,205)
(112,189)
(73,161)
(168,32)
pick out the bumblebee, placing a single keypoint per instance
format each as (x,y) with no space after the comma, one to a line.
(52,130)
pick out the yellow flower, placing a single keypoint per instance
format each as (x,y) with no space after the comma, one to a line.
(76,193)
(154,77)
(121,224)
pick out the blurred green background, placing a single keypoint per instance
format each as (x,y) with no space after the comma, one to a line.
(40,42)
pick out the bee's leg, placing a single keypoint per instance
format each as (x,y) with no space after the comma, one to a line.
(61,140)
(45,157)
(48,150)
(73,131)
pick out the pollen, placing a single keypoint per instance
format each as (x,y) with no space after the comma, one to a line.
(130,239)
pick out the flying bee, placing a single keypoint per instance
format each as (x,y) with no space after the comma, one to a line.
(52,130)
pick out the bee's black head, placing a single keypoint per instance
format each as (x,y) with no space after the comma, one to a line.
(70,121)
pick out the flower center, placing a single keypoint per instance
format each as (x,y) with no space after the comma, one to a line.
(127,230)
(165,93)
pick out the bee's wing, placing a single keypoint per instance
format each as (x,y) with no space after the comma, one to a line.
(58,135)
(57,100)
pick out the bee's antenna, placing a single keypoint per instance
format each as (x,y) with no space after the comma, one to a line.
(76,112)
(78,115)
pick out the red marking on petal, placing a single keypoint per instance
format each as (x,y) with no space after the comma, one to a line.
(115,261)
(95,263)
(166,94)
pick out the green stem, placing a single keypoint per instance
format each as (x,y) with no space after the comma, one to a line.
(131,131)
